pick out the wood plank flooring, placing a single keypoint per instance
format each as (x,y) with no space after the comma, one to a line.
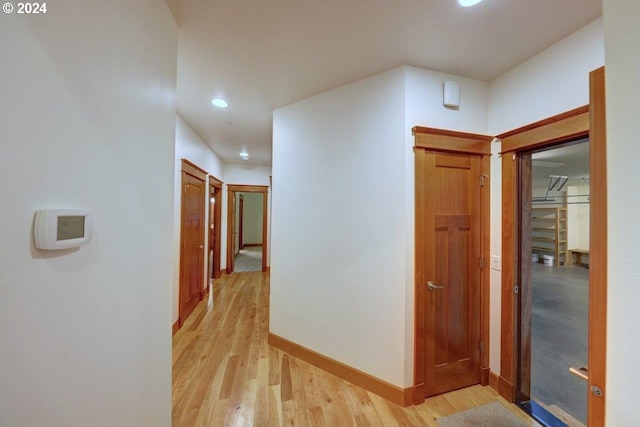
(225,374)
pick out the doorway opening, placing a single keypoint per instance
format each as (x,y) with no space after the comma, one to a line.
(554,283)
(248,238)
(518,148)
(247,228)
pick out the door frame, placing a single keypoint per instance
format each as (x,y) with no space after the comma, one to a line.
(450,142)
(240,222)
(215,186)
(580,122)
(191,169)
(231,194)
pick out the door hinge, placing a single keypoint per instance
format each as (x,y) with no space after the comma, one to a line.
(515,289)
(482,177)
(481,263)
(481,346)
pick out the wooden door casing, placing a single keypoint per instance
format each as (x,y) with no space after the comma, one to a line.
(467,156)
(581,122)
(192,231)
(215,190)
(231,192)
(526,292)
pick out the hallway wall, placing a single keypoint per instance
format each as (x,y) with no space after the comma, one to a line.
(88,121)
(190,146)
(338,279)
(623,91)
(344,180)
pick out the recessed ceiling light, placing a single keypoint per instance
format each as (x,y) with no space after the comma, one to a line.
(220,103)
(468,3)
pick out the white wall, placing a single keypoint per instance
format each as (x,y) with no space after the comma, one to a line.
(246,174)
(423,100)
(623,91)
(554,81)
(338,262)
(328,152)
(189,146)
(495,291)
(578,218)
(252,218)
(88,116)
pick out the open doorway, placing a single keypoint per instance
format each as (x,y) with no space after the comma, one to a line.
(554,278)
(518,147)
(248,237)
(247,228)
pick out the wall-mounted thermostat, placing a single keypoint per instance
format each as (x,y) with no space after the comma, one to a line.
(62,228)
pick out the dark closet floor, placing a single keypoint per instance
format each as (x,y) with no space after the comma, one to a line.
(559,337)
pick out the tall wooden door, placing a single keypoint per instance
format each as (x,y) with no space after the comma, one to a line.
(215,203)
(448,209)
(212,264)
(231,230)
(241,223)
(192,251)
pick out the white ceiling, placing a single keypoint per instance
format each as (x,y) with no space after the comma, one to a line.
(263,55)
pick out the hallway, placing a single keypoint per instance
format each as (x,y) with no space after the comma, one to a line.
(225,374)
(248,259)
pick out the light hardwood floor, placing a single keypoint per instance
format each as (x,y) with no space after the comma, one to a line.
(225,374)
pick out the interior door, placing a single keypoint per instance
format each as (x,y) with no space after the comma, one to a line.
(191,244)
(451,219)
(231,230)
(240,222)
(212,261)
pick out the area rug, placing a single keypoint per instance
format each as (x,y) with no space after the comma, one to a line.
(490,415)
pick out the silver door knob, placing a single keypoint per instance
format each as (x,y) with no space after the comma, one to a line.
(432,286)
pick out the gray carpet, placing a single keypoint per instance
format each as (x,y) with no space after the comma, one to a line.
(492,414)
(249,259)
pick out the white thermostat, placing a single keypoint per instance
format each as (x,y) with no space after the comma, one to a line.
(62,228)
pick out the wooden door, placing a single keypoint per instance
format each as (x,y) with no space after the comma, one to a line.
(192,231)
(215,192)
(231,229)
(450,215)
(598,250)
(240,222)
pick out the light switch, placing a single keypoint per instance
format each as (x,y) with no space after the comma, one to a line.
(496,263)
